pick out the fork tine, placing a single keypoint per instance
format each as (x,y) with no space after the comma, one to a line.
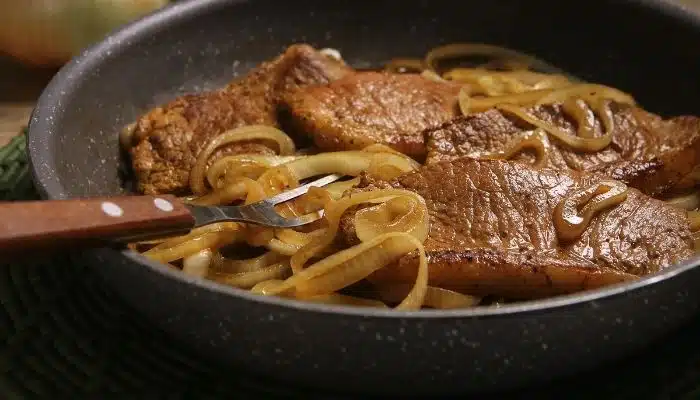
(294,193)
(261,212)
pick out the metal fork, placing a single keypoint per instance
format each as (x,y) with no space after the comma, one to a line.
(99,221)
(263,212)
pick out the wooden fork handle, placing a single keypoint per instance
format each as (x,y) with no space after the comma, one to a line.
(92,221)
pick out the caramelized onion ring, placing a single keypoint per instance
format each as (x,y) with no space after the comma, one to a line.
(248,279)
(497,83)
(535,140)
(227,169)
(435,297)
(378,248)
(588,92)
(570,223)
(575,142)
(245,133)
(465,50)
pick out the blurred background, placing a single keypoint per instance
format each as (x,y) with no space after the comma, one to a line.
(38,36)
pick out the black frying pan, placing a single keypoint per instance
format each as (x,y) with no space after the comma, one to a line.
(643,47)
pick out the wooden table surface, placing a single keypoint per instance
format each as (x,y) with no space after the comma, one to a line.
(20,87)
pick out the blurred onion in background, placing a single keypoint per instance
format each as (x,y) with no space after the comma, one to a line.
(48,33)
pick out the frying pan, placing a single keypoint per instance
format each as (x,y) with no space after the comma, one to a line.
(643,47)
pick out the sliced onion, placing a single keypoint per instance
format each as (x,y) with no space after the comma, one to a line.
(431,75)
(570,223)
(535,140)
(587,91)
(466,50)
(464,101)
(435,297)
(694,218)
(247,280)
(481,104)
(575,142)
(226,169)
(198,263)
(245,133)
(192,246)
(226,265)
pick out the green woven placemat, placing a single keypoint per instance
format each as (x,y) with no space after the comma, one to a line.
(64,334)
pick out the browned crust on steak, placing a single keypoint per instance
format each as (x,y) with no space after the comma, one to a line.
(485,272)
(372,107)
(168,138)
(492,232)
(646,152)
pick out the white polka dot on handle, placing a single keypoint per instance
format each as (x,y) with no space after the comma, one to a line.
(163,205)
(112,209)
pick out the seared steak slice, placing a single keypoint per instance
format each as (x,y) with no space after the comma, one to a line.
(167,139)
(372,107)
(646,152)
(492,231)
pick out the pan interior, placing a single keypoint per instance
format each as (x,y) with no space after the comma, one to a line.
(197,46)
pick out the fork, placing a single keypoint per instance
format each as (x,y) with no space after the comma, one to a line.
(107,220)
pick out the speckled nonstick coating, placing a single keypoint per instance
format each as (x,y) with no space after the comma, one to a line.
(647,48)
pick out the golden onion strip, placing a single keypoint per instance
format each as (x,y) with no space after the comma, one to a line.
(497,83)
(283,248)
(694,218)
(213,240)
(298,239)
(464,101)
(225,265)
(219,227)
(351,163)
(198,263)
(534,140)
(466,50)
(431,75)
(587,91)
(245,133)
(226,195)
(226,169)
(470,105)
(378,248)
(349,266)
(336,189)
(435,297)
(248,279)
(578,143)
(570,223)
(396,214)
(334,212)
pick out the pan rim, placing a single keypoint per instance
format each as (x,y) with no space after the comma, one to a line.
(41,129)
